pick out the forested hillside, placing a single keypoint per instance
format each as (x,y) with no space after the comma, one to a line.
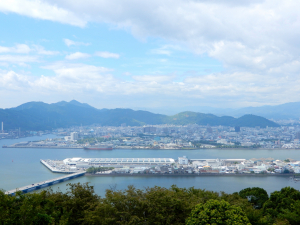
(42,116)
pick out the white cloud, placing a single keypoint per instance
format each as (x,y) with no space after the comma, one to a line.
(257,42)
(107,55)
(18,58)
(69,43)
(25,49)
(13,81)
(42,10)
(153,79)
(264,33)
(19,48)
(77,55)
(41,51)
(219,89)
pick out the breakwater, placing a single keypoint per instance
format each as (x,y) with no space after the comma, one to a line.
(188,175)
(51,147)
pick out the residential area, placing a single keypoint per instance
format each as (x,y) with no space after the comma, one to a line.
(186,137)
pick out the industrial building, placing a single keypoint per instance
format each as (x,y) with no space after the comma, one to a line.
(118,161)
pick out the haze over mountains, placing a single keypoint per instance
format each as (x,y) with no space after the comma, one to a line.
(43,116)
(278,112)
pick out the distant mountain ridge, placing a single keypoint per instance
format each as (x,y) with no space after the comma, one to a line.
(43,116)
(277,112)
(284,111)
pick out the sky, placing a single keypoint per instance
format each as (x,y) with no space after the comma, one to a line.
(156,55)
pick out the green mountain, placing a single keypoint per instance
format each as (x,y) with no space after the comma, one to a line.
(43,116)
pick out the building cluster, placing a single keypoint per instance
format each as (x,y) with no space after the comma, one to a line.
(19,133)
(189,136)
(182,165)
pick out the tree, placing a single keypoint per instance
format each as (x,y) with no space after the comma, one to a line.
(81,197)
(257,196)
(254,215)
(217,212)
(154,205)
(284,205)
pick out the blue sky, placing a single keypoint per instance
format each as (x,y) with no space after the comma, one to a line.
(157,55)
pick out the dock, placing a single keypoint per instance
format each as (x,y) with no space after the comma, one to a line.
(53,168)
(45,183)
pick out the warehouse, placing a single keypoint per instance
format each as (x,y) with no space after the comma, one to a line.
(118,161)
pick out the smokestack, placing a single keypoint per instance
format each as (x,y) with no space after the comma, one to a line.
(2,128)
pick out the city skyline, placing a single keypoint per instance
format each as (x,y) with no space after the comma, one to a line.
(134,54)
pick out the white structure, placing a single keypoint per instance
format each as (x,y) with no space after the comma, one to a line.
(74,136)
(118,161)
(183,160)
(67,138)
(222,141)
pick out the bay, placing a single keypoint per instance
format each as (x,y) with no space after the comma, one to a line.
(21,166)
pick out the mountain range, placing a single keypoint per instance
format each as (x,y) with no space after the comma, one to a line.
(43,116)
(285,111)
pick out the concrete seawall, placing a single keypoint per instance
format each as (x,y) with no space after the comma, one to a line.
(185,175)
(54,170)
(51,147)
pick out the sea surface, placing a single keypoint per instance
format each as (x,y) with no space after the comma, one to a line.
(21,166)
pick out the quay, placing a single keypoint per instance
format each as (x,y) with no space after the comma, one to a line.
(54,168)
(51,147)
(44,184)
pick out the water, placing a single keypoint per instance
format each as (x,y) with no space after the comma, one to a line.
(21,166)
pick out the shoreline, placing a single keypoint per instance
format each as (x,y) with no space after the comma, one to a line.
(53,147)
(129,148)
(183,175)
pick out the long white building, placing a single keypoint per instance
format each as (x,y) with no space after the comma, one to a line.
(118,161)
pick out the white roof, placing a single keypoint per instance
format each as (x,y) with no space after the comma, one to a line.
(126,160)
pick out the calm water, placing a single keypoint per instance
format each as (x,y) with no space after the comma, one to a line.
(21,166)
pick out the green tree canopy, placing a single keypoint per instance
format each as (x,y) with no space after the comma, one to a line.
(217,212)
(255,195)
(284,204)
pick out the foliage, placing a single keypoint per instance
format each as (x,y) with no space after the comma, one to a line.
(217,212)
(155,205)
(98,169)
(284,204)
(257,196)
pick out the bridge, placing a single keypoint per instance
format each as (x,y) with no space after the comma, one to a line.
(44,184)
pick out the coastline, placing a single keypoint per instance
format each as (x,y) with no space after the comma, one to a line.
(60,147)
(187,174)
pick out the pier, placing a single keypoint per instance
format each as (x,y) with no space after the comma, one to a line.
(44,184)
(54,169)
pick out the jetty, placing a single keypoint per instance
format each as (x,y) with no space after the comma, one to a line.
(43,184)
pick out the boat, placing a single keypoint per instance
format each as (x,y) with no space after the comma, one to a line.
(99,147)
(4,146)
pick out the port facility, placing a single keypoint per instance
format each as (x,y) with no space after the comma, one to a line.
(87,162)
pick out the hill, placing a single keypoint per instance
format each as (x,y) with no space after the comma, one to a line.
(43,116)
